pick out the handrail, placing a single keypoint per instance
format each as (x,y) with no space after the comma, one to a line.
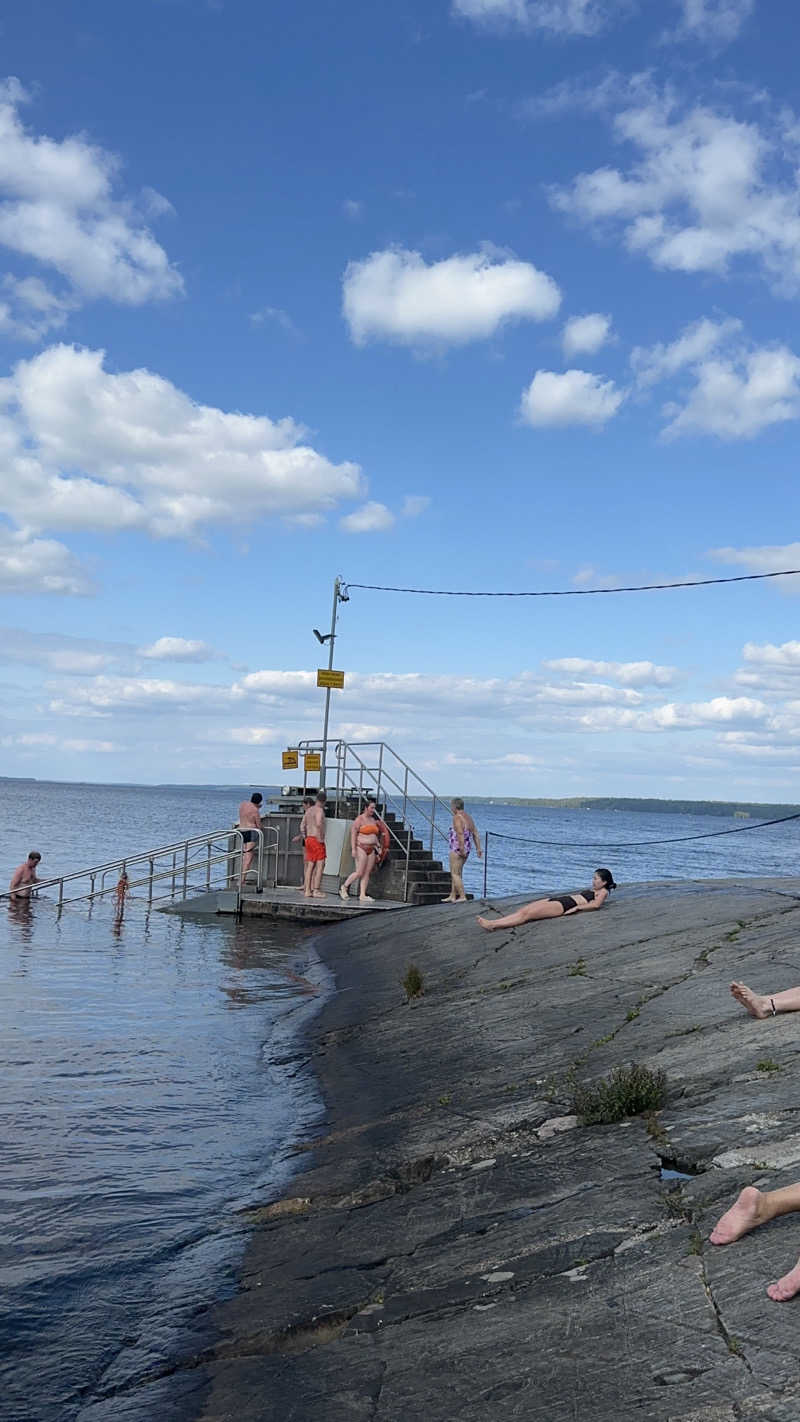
(178,873)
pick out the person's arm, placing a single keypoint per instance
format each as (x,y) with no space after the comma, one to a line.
(597,902)
(476,837)
(357,823)
(16,879)
(302,833)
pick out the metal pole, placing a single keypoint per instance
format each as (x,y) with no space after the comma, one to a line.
(485,860)
(150,883)
(331,645)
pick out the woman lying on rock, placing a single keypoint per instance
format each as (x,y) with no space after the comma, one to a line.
(559,905)
(757,1006)
(755,1207)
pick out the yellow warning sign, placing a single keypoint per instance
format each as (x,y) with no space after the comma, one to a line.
(290,760)
(312,760)
(332,679)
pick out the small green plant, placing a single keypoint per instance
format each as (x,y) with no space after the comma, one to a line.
(655,1130)
(632,1014)
(603,1041)
(412,982)
(626,1091)
(445,1100)
(767,1064)
(696,1244)
(577,970)
(734,1346)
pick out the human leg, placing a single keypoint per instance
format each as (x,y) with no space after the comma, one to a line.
(457,862)
(540,908)
(766,1006)
(360,856)
(752,1208)
(369,864)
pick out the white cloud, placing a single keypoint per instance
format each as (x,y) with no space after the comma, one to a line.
(39,565)
(714,21)
(770,558)
(560,17)
(107,694)
(574,397)
(395,295)
(696,341)
(58,208)
(82,448)
(370,518)
(585,334)
(414,505)
(353,209)
(249,735)
(707,191)
(31,739)
(279,318)
(736,398)
(628,673)
(177,649)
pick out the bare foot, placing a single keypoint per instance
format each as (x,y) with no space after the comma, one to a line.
(755,1005)
(317,894)
(365,899)
(740,1218)
(449,899)
(787,1287)
(485,923)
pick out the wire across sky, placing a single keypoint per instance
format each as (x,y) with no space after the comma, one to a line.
(579,592)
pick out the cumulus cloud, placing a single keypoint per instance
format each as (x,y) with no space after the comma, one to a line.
(39,565)
(767,654)
(177,649)
(714,21)
(769,558)
(706,192)
(396,295)
(696,341)
(84,448)
(737,397)
(585,334)
(628,673)
(372,517)
(105,695)
(559,17)
(59,209)
(573,397)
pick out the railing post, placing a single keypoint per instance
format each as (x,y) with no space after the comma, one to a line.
(380,770)
(208,865)
(408,860)
(151,863)
(92,882)
(405,795)
(60,894)
(185,868)
(174,864)
(485,860)
(260,864)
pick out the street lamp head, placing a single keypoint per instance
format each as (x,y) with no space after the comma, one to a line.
(322,639)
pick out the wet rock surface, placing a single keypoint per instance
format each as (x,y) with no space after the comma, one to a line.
(456,1246)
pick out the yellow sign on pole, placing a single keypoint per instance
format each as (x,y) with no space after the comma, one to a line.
(333,680)
(290,760)
(312,760)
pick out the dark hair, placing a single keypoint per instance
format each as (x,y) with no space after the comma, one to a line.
(34,854)
(607,878)
(257,798)
(308,799)
(457,804)
(322,798)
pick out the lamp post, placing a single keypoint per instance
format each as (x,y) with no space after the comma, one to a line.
(339,595)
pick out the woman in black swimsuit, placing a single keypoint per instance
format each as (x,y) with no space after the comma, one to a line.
(559,905)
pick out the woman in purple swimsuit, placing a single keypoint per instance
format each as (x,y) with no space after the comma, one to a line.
(559,905)
(463,834)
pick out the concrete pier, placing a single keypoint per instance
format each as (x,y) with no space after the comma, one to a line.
(457,1246)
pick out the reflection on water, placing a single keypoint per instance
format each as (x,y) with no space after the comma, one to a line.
(140,1106)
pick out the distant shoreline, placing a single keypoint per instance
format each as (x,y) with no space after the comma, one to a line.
(738,809)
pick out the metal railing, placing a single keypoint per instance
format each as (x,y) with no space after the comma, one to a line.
(176,865)
(372,768)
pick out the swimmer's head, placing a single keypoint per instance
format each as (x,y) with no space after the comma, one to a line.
(256,798)
(456,804)
(34,856)
(604,879)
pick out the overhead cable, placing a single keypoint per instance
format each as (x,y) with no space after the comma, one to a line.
(580,592)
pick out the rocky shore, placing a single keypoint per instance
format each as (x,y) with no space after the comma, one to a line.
(456,1246)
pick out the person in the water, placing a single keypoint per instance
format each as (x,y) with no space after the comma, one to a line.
(559,905)
(755,1207)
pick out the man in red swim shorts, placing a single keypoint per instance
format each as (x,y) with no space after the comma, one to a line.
(312,833)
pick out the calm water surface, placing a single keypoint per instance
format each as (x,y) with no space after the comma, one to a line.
(149,1086)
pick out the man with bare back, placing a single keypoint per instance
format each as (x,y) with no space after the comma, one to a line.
(249,821)
(24,877)
(312,833)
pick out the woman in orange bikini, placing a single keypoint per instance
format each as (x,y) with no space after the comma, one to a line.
(369,839)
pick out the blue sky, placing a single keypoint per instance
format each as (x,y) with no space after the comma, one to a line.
(486,294)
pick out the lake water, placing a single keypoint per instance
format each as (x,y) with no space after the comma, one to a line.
(148,1086)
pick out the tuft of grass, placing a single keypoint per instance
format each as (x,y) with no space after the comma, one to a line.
(696,1243)
(655,1130)
(445,1100)
(577,970)
(413,983)
(734,1346)
(632,1014)
(626,1091)
(767,1064)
